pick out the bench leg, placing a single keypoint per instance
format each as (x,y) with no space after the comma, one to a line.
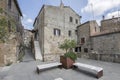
(60,66)
(100,74)
(37,70)
(74,67)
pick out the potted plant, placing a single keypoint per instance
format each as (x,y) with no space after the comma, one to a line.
(69,57)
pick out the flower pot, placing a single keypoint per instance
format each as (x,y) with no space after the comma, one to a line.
(66,62)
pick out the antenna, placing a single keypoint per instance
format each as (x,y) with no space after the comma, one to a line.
(118,13)
(61,1)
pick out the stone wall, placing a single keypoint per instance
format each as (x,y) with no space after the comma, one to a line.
(10,49)
(110,24)
(104,45)
(49,18)
(101,57)
(28,35)
(59,20)
(8,52)
(107,43)
(85,30)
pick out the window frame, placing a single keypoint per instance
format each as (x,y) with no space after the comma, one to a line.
(76,21)
(71,19)
(86,50)
(69,33)
(57,32)
(82,40)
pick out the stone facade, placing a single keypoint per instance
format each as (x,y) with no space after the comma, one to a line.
(103,44)
(109,43)
(84,32)
(110,24)
(28,35)
(12,47)
(53,25)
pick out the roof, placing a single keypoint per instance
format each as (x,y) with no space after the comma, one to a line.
(38,15)
(88,22)
(17,5)
(106,32)
(72,10)
(111,19)
(56,7)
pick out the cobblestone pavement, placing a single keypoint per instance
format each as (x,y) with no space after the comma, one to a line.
(27,71)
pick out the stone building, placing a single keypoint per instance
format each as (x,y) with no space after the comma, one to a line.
(53,25)
(28,35)
(11,45)
(110,24)
(102,43)
(85,30)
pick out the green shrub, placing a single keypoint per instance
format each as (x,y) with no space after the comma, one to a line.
(68,46)
(9,63)
(71,55)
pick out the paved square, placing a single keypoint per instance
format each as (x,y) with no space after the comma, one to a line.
(27,71)
(58,79)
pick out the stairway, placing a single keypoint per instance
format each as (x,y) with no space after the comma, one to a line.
(38,55)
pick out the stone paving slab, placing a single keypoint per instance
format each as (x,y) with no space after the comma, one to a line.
(27,71)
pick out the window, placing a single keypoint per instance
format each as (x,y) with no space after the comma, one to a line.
(9,26)
(76,21)
(57,32)
(86,50)
(82,40)
(78,49)
(69,33)
(76,32)
(9,4)
(71,19)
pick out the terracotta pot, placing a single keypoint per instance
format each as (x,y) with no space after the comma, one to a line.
(66,62)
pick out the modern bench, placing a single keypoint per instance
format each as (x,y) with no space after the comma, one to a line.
(47,66)
(97,70)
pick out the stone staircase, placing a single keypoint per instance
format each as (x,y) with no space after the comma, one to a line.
(38,55)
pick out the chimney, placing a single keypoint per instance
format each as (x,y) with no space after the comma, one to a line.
(113,16)
(103,17)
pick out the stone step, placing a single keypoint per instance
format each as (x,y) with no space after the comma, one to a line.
(38,55)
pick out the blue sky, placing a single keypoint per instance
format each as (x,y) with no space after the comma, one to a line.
(88,9)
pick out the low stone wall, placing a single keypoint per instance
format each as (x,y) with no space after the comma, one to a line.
(8,53)
(102,57)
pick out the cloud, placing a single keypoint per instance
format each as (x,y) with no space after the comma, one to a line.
(100,6)
(115,14)
(24,15)
(27,22)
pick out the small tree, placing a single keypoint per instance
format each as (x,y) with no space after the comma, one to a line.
(65,45)
(68,46)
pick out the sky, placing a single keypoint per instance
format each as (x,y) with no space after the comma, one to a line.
(88,9)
